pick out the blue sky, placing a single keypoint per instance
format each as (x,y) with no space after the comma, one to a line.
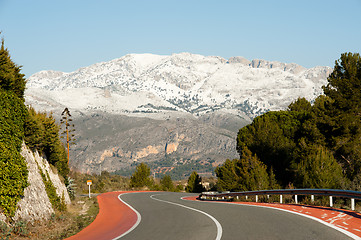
(68,34)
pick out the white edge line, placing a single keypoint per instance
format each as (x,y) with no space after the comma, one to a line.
(301,214)
(219,227)
(139,218)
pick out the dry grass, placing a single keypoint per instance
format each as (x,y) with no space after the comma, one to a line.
(61,225)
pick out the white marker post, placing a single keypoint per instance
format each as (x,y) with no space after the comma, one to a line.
(89,182)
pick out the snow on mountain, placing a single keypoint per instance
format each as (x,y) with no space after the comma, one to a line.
(184,82)
(185,108)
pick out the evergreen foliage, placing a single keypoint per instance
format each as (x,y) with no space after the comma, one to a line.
(344,88)
(42,134)
(141,177)
(271,136)
(10,77)
(320,170)
(194,184)
(16,125)
(313,145)
(13,170)
(167,183)
(245,174)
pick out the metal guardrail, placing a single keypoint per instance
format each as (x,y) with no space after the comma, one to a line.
(320,192)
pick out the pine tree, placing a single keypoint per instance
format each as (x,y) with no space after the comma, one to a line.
(344,83)
(10,77)
(42,134)
(273,138)
(252,172)
(141,177)
(301,104)
(245,174)
(344,88)
(194,184)
(320,170)
(167,183)
(227,176)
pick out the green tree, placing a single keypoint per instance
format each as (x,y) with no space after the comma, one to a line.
(228,178)
(10,77)
(320,170)
(194,184)
(289,142)
(13,170)
(141,177)
(42,134)
(344,88)
(300,105)
(34,130)
(273,138)
(344,83)
(167,183)
(244,174)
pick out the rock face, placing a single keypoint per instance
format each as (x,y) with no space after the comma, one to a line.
(111,142)
(35,206)
(54,177)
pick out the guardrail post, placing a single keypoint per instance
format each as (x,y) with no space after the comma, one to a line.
(331,202)
(256,198)
(296,200)
(280,198)
(312,198)
(352,204)
(246,197)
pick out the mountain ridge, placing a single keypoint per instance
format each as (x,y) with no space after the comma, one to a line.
(181,80)
(122,107)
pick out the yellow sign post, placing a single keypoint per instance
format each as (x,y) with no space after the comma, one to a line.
(89,182)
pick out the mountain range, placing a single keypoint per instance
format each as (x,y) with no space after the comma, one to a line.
(177,113)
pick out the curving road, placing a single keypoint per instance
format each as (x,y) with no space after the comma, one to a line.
(167,216)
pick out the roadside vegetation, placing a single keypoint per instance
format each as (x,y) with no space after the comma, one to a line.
(309,145)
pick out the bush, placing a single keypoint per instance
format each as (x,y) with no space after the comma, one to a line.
(13,169)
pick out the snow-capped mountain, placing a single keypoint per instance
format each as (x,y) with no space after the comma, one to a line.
(177,113)
(190,83)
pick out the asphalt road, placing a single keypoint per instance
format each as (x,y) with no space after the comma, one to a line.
(167,216)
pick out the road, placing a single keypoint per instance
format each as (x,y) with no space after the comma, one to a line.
(167,216)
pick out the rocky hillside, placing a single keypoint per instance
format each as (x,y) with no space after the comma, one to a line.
(115,142)
(35,205)
(170,111)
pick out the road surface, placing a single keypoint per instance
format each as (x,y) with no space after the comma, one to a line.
(167,216)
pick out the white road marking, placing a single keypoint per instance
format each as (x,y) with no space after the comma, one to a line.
(139,218)
(219,227)
(351,235)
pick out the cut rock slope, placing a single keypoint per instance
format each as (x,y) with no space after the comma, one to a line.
(35,205)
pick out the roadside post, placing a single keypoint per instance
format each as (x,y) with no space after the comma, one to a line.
(89,182)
